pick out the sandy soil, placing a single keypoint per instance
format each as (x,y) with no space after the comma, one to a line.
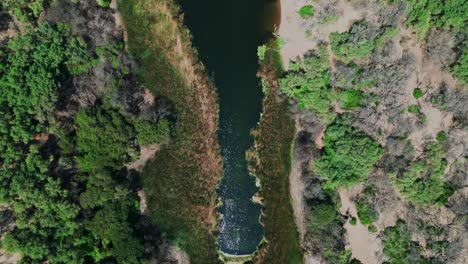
(301,35)
(365,246)
(426,76)
(146,153)
(9,259)
(296,189)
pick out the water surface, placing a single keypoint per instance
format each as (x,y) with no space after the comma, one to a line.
(226,34)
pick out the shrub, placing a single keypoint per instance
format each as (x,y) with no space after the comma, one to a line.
(353,221)
(150,133)
(261,52)
(322,216)
(25,10)
(350,99)
(417,93)
(103,3)
(426,14)
(422,184)
(365,206)
(372,229)
(307,11)
(414,109)
(103,139)
(349,155)
(309,83)
(460,68)
(366,213)
(398,246)
(351,45)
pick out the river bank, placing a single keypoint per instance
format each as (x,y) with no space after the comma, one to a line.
(271,164)
(181,179)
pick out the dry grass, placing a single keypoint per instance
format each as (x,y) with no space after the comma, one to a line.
(272,166)
(180,181)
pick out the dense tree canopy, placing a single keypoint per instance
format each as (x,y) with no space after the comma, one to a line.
(349,155)
(309,83)
(422,184)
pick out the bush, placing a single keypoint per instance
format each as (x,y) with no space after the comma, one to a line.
(349,155)
(423,15)
(422,184)
(460,69)
(398,246)
(414,109)
(417,93)
(350,99)
(307,11)
(322,216)
(25,10)
(261,52)
(326,231)
(309,83)
(359,42)
(103,139)
(149,133)
(366,213)
(103,3)
(365,206)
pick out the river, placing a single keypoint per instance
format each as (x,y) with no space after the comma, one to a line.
(226,34)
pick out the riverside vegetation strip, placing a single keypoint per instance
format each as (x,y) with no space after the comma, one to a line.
(271,164)
(180,181)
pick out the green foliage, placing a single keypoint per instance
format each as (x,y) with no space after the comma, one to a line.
(423,15)
(42,209)
(309,83)
(460,69)
(366,213)
(349,46)
(25,10)
(276,125)
(326,231)
(103,3)
(414,109)
(329,19)
(322,217)
(365,206)
(442,137)
(353,221)
(349,155)
(422,184)
(110,224)
(111,53)
(306,11)
(149,133)
(417,93)
(35,65)
(261,52)
(372,229)
(398,246)
(104,139)
(350,99)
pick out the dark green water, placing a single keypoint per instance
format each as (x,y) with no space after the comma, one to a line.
(226,34)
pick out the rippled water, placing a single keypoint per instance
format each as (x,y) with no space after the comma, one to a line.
(226,34)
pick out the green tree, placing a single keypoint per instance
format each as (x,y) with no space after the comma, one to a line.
(422,184)
(104,139)
(150,133)
(349,155)
(25,10)
(309,83)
